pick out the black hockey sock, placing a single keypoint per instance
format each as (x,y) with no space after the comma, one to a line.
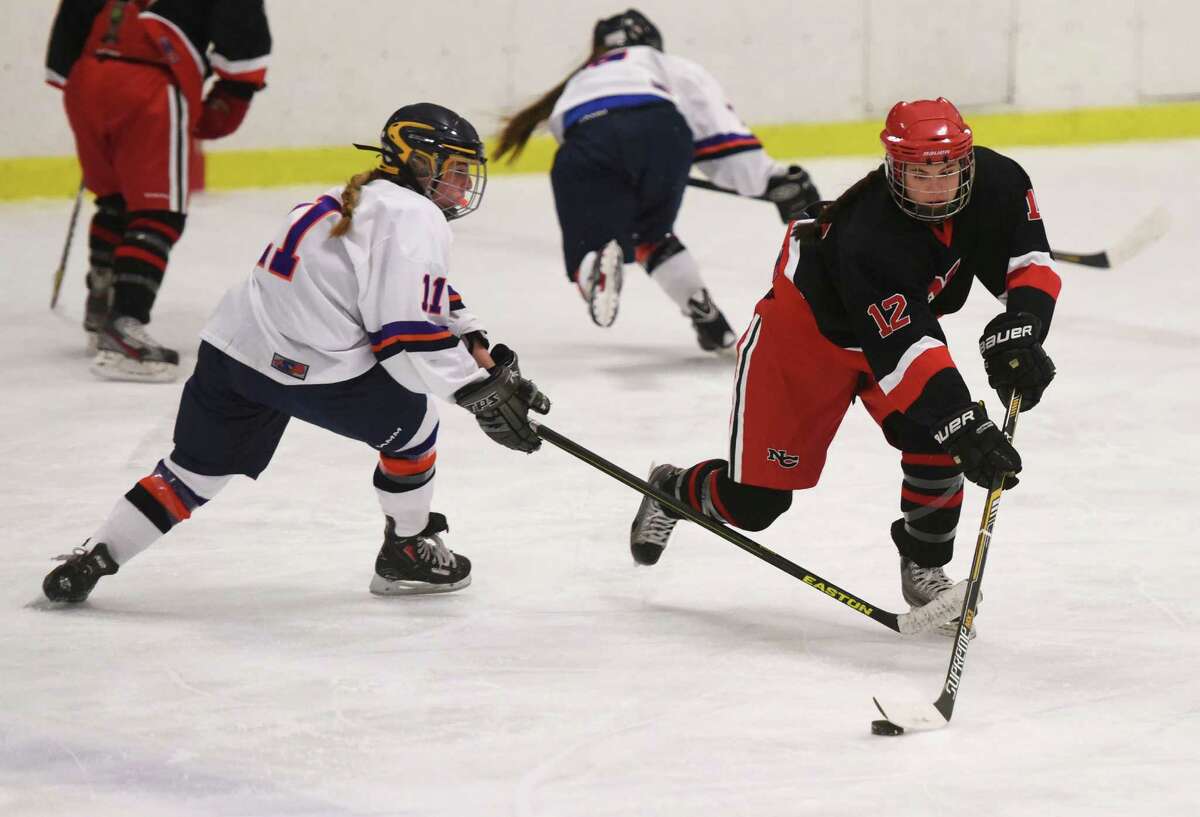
(931,501)
(104,234)
(707,488)
(140,261)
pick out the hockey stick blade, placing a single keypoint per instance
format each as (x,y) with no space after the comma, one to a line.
(911,717)
(1141,235)
(934,613)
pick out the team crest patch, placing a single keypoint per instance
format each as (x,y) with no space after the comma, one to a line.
(289,367)
(782,457)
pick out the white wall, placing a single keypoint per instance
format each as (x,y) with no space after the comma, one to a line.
(339,68)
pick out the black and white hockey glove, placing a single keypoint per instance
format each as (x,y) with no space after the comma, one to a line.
(1014,358)
(792,193)
(979,448)
(501,404)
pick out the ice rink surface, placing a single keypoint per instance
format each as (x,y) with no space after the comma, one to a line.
(240,667)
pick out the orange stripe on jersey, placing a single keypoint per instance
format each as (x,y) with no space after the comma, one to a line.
(952,501)
(918,375)
(401,467)
(749,141)
(1036,276)
(378,347)
(927,459)
(165,495)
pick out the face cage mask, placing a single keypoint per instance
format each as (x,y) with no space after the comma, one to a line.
(932,212)
(457,186)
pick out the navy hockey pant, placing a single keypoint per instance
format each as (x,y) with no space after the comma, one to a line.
(620,175)
(232,417)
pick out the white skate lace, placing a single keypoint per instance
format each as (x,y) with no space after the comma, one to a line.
(76,553)
(135,330)
(929,581)
(431,549)
(656,528)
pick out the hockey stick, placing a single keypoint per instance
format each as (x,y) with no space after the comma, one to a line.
(936,612)
(62,264)
(1141,235)
(899,718)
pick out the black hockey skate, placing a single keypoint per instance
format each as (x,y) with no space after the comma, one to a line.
(713,332)
(653,524)
(97,305)
(126,351)
(412,565)
(921,585)
(74,579)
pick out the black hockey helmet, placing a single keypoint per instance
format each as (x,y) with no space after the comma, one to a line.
(630,27)
(438,150)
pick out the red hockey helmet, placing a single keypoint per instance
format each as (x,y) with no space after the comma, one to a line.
(928,132)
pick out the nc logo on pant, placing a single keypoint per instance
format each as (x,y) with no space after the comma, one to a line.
(782,457)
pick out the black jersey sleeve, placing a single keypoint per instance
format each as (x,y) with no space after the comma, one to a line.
(885,298)
(72,24)
(1032,283)
(241,40)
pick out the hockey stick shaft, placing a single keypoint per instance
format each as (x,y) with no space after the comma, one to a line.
(1142,234)
(62,264)
(884,617)
(962,638)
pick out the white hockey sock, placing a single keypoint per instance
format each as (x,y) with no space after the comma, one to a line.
(169,494)
(410,509)
(679,277)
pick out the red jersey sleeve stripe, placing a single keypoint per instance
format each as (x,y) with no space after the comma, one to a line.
(916,375)
(1036,276)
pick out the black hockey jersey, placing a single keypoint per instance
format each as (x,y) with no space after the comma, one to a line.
(191,38)
(878,280)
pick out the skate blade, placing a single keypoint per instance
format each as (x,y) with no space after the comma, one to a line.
(603,304)
(115,366)
(383,587)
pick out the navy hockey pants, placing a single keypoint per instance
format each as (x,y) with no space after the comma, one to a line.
(232,417)
(620,175)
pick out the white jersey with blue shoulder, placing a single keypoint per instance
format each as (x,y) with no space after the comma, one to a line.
(725,149)
(318,308)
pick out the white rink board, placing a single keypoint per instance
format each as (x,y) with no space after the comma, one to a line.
(239,667)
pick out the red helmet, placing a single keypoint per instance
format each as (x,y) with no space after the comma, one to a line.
(930,132)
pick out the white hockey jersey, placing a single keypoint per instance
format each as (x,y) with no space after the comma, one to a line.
(320,309)
(725,149)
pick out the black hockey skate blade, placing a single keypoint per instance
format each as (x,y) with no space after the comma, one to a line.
(886,728)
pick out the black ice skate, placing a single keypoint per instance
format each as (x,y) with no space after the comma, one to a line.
(74,579)
(601,275)
(713,332)
(97,305)
(412,565)
(921,585)
(126,351)
(653,523)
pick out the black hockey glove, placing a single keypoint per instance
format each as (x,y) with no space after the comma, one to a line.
(792,193)
(501,403)
(979,448)
(1014,358)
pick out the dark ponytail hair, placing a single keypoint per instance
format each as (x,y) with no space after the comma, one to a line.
(520,126)
(810,230)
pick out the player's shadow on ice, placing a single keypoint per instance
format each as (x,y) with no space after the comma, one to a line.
(638,361)
(866,647)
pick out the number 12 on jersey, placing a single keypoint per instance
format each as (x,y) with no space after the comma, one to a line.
(894,307)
